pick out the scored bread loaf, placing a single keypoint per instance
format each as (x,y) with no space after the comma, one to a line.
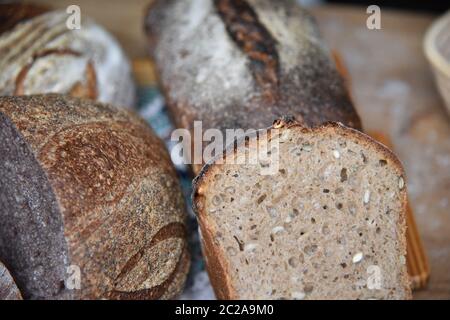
(244,63)
(90,203)
(329,223)
(8,288)
(40,54)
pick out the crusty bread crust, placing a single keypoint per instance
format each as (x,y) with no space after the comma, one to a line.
(217,266)
(122,210)
(243,64)
(8,288)
(41,55)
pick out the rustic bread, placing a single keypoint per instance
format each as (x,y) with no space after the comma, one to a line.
(236,64)
(242,64)
(85,185)
(329,220)
(39,54)
(8,288)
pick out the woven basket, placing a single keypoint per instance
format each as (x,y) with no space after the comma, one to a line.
(437,50)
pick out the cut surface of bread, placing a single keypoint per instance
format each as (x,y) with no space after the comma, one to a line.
(328,224)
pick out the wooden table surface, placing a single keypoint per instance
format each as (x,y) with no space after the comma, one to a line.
(393,90)
(394,93)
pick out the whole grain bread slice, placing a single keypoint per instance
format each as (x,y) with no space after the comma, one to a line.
(328,223)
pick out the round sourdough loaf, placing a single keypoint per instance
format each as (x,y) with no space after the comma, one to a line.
(40,54)
(89,202)
(8,288)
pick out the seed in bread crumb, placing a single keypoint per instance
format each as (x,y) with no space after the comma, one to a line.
(307,147)
(261,199)
(344,176)
(336,154)
(357,257)
(366,198)
(401,183)
(271,211)
(402,260)
(298,295)
(277,229)
(250,247)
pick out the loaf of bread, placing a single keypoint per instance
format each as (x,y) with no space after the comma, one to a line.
(328,224)
(90,203)
(8,288)
(242,64)
(40,54)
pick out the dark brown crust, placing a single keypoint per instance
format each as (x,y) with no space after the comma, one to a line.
(254,40)
(118,154)
(158,291)
(314,93)
(8,289)
(117,191)
(200,184)
(173,230)
(12,14)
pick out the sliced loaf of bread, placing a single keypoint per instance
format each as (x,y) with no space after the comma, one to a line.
(326,222)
